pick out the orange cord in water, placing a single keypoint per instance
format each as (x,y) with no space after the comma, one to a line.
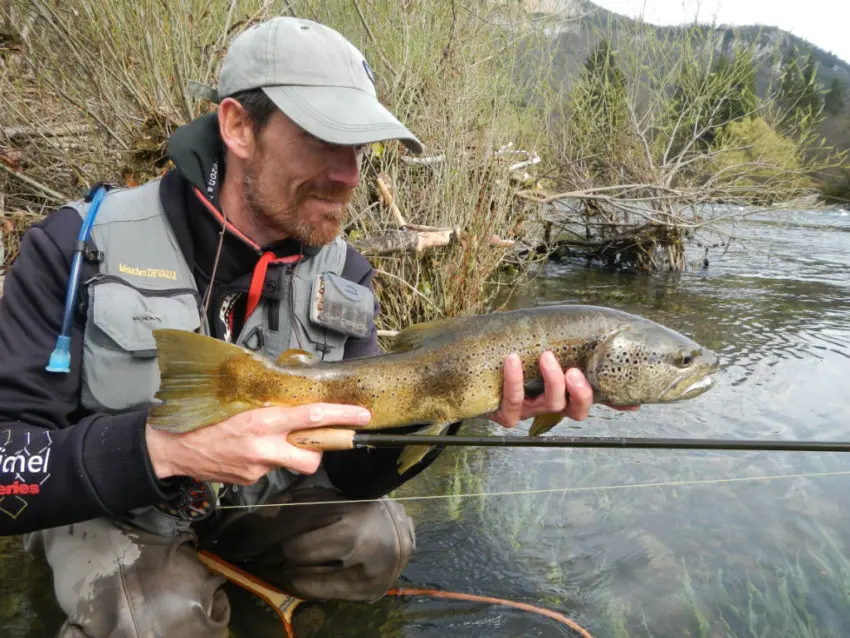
(436,593)
(285,605)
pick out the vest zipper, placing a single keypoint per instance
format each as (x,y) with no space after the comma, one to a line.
(273,307)
(288,299)
(148,292)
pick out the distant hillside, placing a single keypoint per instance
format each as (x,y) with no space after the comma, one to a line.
(577,26)
(577,16)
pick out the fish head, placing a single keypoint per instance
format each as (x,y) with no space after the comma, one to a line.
(649,363)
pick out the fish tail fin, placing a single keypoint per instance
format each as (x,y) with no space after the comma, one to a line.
(544,423)
(191,373)
(412,454)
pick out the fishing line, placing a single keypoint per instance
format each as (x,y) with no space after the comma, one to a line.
(262,589)
(257,587)
(563,490)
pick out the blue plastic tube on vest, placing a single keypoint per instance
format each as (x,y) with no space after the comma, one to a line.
(60,358)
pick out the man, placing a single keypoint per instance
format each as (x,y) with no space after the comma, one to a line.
(230,243)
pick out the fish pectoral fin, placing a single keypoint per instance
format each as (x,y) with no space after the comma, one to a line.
(412,454)
(295,357)
(191,368)
(544,423)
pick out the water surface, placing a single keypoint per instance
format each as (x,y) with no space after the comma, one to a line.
(638,543)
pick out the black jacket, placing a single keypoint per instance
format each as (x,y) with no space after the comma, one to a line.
(61,464)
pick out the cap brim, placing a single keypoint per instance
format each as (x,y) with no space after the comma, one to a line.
(341,115)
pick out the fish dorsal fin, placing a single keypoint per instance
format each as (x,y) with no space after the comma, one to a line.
(418,334)
(295,357)
(414,336)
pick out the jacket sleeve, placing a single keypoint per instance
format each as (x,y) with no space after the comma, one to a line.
(371,472)
(58,463)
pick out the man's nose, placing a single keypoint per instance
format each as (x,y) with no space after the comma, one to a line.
(345,166)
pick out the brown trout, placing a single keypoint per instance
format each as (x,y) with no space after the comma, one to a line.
(436,373)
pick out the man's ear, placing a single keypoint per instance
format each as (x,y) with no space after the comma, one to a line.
(236,128)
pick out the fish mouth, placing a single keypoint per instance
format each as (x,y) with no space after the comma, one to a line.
(700,386)
(692,388)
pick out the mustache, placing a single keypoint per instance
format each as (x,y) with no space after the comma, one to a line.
(331,192)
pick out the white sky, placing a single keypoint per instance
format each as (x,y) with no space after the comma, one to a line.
(824,23)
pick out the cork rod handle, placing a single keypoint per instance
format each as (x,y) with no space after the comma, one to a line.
(323,439)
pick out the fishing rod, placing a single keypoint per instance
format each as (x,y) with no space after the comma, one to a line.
(328,439)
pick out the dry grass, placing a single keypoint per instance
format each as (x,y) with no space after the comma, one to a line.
(118,71)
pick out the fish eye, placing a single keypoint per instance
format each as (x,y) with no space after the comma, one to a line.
(684,359)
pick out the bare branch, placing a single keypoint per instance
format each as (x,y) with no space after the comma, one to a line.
(372,37)
(58,197)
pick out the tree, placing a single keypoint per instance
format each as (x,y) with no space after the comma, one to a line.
(600,120)
(760,161)
(834,99)
(799,97)
(605,86)
(734,88)
(695,134)
(811,98)
(707,102)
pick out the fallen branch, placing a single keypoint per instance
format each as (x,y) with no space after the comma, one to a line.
(398,241)
(593,193)
(427,229)
(530,162)
(498,242)
(425,161)
(416,240)
(71,130)
(389,200)
(59,197)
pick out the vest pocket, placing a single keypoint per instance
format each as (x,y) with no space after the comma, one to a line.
(327,344)
(119,352)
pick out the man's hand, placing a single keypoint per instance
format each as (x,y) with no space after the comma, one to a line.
(568,394)
(243,448)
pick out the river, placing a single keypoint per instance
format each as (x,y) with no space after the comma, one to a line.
(636,543)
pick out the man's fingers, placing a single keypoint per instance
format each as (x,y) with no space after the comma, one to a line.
(277,451)
(580,395)
(554,384)
(284,420)
(513,393)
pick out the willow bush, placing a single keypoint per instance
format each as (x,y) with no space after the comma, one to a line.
(661,125)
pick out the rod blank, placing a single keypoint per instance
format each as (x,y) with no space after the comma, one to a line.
(366,439)
(346,439)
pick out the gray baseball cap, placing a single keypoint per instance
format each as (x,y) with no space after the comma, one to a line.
(316,77)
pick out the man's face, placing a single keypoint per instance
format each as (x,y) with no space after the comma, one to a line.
(297,185)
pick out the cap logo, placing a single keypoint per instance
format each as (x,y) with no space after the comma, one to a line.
(369,72)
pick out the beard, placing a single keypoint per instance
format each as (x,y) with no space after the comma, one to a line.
(296,217)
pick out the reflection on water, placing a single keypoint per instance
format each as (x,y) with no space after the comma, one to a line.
(651,543)
(702,556)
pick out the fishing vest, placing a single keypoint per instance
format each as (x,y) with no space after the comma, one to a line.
(144,282)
